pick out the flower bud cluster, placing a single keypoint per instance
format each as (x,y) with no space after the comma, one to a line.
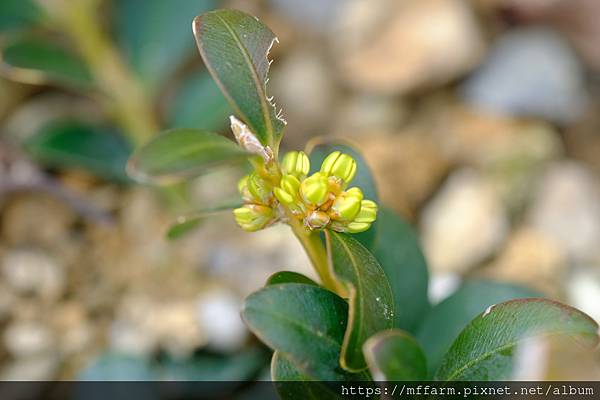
(321,200)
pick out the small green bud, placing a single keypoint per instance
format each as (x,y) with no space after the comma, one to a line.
(367,213)
(243,189)
(317,219)
(296,163)
(252,217)
(284,197)
(290,184)
(339,165)
(259,188)
(314,189)
(357,227)
(347,205)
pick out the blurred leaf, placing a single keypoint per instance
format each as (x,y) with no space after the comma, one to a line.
(155,35)
(16,14)
(370,297)
(289,277)
(118,366)
(235,47)
(447,319)
(394,355)
(39,60)
(189,222)
(199,104)
(318,150)
(179,153)
(399,253)
(485,349)
(305,323)
(72,144)
(293,384)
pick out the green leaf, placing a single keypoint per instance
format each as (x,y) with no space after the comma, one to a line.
(485,349)
(235,47)
(395,355)
(293,384)
(444,321)
(183,153)
(367,288)
(155,36)
(305,323)
(71,144)
(289,277)
(363,178)
(40,60)
(399,253)
(189,222)
(199,103)
(17,14)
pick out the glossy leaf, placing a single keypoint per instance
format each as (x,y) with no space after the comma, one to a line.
(70,144)
(399,253)
(16,14)
(368,291)
(446,320)
(395,355)
(235,47)
(39,60)
(363,179)
(485,349)
(199,104)
(179,153)
(155,36)
(187,223)
(289,277)
(304,323)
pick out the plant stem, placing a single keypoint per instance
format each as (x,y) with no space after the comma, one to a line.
(316,253)
(123,96)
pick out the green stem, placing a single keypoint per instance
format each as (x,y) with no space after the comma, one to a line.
(316,253)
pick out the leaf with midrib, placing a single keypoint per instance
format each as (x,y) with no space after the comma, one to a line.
(188,222)
(235,47)
(182,153)
(281,277)
(485,348)
(365,284)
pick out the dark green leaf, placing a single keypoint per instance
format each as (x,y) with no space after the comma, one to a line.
(293,384)
(289,277)
(399,253)
(71,144)
(199,103)
(305,323)
(189,222)
(485,348)
(16,14)
(363,179)
(445,321)
(394,355)
(179,153)
(235,47)
(155,36)
(39,60)
(370,297)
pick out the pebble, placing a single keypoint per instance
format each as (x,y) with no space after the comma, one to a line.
(583,290)
(27,338)
(218,314)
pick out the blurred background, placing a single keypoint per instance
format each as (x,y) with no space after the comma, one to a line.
(479,118)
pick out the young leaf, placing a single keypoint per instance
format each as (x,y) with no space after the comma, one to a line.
(235,48)
(443,322)
(370,297)
(16,14)
(292,384)
(394,355)
(71,144)
(485,348)
(303,322)
(289,277)
(363,178)
(187,223)
(399,253)
(179,153)
(38,60)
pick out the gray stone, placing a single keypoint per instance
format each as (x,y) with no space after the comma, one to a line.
(218,314)
(28,270)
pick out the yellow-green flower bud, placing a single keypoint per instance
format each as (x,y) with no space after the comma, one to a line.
(314,189)
(340,165)
(259,188)
(252,217)
(317,219)
(243,189)
(347,205)
(290,184)
(367,213)
(296,163)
